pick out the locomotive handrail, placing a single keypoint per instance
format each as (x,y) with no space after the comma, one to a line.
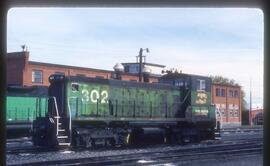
(186,96)
(57,114)
(56,107)
(69,110)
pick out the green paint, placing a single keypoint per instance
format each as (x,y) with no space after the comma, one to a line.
(125,101)
(201,105)
(94,100)
(25,108)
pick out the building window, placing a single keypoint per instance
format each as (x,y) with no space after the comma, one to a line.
(223,113)
(231,93)
(99,77)
(236,94)
(236,110)
(231,109)
(220,92)
(221,109)
(200,85)
(126,69)
(137,69)
(37,76)
(231,113)
(236,113)
(223,92)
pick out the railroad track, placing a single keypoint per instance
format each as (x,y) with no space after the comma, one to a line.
(33,149)
(29,149)
(239,129)
(159,157)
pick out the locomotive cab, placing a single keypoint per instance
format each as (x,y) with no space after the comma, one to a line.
(196,100)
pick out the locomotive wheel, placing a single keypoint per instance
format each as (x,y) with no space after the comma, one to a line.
(197,138)
(87,141)
(93,142)
(78,141)
(112,142)
(172,139)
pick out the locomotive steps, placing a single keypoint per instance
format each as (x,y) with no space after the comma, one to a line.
(62,134)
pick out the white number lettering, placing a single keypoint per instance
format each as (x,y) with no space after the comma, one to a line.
(104,95)
(85,95)
(94,96)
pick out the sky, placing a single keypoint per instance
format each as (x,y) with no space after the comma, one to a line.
(203,41)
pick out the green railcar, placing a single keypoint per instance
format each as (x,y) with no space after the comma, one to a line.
(25,109)
(23,106)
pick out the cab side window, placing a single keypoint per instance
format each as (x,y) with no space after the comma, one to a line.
(200,84)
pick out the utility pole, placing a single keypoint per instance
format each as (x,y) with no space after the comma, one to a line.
(250,105)
(140,62)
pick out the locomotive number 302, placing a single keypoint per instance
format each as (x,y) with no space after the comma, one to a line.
(94,96)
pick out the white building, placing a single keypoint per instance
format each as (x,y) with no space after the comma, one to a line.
(155,69)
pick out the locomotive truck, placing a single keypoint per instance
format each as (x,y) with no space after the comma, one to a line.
(89,111)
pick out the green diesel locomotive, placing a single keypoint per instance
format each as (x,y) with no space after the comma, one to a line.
(88,111)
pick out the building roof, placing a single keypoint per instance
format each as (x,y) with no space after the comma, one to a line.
(149,64)
(175,75)
(227,85)
(68,66)
(84,68)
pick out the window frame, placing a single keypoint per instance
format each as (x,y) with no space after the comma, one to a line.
(34,74)
(200,85)
(220,92)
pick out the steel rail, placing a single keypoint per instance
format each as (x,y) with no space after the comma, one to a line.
(179,154)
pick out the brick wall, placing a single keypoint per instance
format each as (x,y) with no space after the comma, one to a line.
(254,114)
(20,71)
(48,69)
(16,67)
(230,105)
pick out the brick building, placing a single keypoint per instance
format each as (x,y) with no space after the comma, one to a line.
(22,72)
(257,116)
(227,100)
